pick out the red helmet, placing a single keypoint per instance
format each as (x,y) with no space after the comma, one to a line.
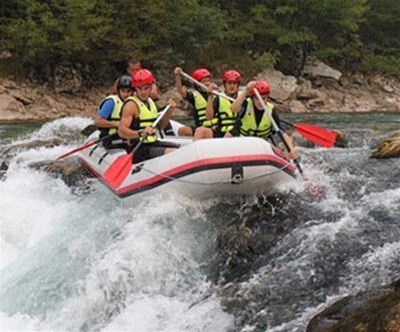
(231,76)
(142,77)
(201,74)
(262,87)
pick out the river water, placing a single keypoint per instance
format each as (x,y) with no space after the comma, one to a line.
(76,260)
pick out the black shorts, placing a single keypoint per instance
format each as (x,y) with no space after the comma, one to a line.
(217,133)
(115,143)
(151,150)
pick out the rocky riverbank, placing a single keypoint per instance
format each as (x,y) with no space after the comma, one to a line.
(319,89)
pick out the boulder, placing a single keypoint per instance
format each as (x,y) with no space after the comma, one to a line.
(182,106)
(341,140)
(316,68)
(389,147)
(372,310)
(11,150)
(73,174)
(282,86)
(296,106)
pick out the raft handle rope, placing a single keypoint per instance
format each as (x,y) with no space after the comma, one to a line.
(230,181)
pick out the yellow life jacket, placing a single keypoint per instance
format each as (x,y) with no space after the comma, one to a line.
(146,118)
(249,126)
(226,118)
(200,105)
(115,115)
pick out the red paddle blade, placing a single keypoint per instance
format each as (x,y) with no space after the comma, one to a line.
(76,150)
(119,170)
(317,135)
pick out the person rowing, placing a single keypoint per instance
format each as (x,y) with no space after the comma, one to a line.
(220,107)
(253,121)
(198,100)
(138,114)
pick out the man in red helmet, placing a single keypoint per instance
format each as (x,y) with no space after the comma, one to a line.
(198,100)
(221,107)
(133,65)
(138,114)
(252,119)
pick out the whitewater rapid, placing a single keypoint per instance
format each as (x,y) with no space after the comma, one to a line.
(86,261)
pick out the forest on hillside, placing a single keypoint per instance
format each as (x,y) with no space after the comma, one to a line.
(97,36)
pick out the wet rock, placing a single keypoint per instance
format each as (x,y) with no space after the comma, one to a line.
(73,174)
(88,130)
(316,68)
(341,140)
(388,148)
(373,310)
(5,164)
(235,250)
(282,86)
(14,148)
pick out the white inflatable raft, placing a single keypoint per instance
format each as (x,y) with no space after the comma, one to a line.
(202,168)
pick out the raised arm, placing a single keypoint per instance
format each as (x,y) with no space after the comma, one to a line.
(237,104)
(178,81)
(210,107)
(165,120)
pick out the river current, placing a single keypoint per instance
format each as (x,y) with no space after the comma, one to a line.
(82,260)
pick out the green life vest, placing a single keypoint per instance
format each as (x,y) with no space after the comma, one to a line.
(226,118)
(115,114)
(249,125)
(146,118)
(200,105)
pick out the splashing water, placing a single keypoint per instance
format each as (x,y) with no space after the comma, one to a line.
(88,262)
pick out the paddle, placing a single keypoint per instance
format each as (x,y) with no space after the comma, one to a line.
(201,85)
(276,128)
(83,147)
(121,167)
(317,135)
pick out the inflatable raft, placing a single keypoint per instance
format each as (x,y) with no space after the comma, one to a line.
(202,168)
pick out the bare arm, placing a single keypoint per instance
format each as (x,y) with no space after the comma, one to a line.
(103,123)
(178,81)
(210,107)
(130,112)
(167,117)
(154,92)
(237,104)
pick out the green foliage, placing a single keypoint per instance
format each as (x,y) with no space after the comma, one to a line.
(381,64)
(246,35)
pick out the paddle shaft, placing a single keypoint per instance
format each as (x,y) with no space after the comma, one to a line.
(276,127)
(201,85)
(83,147)
(154,125)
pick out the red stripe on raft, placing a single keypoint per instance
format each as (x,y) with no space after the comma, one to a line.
(203,162)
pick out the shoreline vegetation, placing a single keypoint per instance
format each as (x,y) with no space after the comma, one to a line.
(321,89)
